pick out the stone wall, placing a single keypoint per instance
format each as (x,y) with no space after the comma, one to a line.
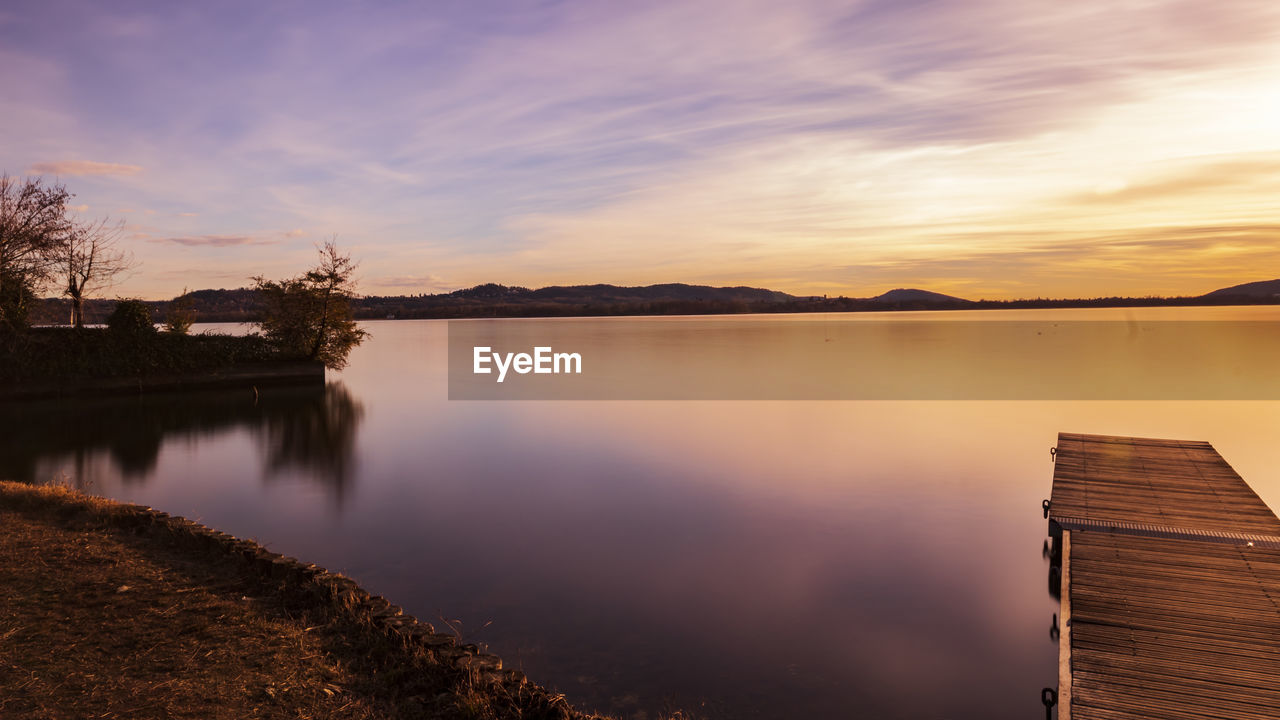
(238,376)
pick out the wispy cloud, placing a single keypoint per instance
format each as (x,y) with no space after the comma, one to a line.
(669,140)
(214,241)
(83,167)
(1191,180)
(185,273)
(412,283)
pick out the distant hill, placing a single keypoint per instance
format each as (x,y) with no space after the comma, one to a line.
(239,305)
(912,295)
(494,300)
(615,293)
(1262,289)
(491,291)
(651,293)
(487,300)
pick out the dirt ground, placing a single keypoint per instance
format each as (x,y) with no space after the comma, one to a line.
(102,621)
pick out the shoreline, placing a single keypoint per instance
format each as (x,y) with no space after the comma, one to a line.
(665,308)
(241,375)
(476,683)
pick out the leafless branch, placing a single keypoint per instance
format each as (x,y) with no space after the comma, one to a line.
(89,259)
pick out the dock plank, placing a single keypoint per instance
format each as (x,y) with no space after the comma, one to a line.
(1179,624)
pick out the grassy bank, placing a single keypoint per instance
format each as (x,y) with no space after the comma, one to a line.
(110,610)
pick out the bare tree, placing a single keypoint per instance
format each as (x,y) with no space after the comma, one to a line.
(33,221)
(88,259)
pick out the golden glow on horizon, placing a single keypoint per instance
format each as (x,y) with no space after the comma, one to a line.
(1133,196)
(979,148)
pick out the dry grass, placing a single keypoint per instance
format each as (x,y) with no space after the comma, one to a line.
(101,619)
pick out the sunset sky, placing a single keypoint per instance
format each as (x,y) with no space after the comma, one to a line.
(993,148)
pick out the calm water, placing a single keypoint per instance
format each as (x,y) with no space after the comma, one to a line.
(769,559)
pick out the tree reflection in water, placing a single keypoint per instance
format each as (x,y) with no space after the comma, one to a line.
(316,439)
(307,432)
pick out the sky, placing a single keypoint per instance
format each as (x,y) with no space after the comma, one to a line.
(986,149)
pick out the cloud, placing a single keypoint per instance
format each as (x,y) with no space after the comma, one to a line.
(202,274)
(214,240)
(579,142)
(1196,180)
(1170,260)
(414,283)
(82,167)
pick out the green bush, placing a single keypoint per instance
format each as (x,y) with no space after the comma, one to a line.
(16,299)
(131,319)
(310,316)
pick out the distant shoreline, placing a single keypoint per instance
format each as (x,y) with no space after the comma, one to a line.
(411,308)
(826,305)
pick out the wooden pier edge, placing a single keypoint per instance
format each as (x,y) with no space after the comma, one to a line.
(1064,632)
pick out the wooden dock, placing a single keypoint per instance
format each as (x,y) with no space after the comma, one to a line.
(1169,581)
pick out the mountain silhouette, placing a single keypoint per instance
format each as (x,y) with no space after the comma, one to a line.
(1261,289)
(618,294)
(913,295)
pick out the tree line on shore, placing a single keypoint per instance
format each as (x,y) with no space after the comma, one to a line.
(246,305)
(45,246)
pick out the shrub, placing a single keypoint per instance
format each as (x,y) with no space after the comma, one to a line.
(181,314)
(62,354)
(131,319)
(310,315)
(16,299)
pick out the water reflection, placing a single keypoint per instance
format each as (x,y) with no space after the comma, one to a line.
(738,560)
(307,432)
(314,436)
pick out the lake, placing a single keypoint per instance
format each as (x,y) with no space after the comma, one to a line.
(733,558)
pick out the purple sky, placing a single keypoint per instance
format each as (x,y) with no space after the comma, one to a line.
(987,149)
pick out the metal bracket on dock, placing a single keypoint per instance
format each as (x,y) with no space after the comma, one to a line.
(1048,698)
(1167,531)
